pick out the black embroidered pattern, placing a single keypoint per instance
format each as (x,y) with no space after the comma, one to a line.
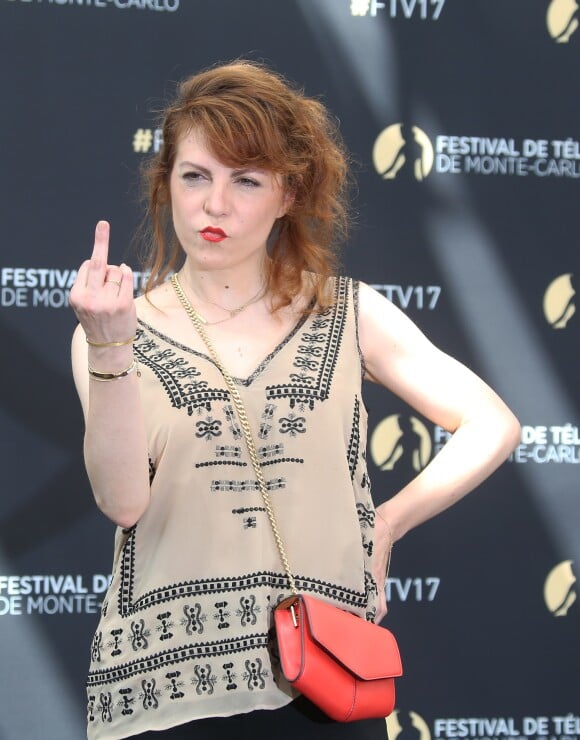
(126,701)
(255,674)
(245,486)
(208,428)
(139,635)
(105,706)
(151,471)
(232,420)
(317,354)
(355,300)
(284,460)
(175,685)
(229,677)
(194,619)
(234,486)
(366,515)
(247,509)
(269,451)
(228,451)
(96,647)
(176,375)
(115,642)
(354,441)
(149,694)
(211,463)
(293,425)
(268,455)
(221,615)
(164,626)
(199,651)
(371,590)
(249,610)
(265,426)
(128,607)
(204,680)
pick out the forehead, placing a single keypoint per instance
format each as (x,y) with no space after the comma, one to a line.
(194,142)
(193,147)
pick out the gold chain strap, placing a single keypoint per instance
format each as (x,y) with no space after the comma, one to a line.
(191,312)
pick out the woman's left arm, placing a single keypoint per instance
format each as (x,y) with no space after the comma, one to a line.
(484,431)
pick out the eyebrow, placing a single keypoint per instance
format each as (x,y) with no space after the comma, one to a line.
(205,171)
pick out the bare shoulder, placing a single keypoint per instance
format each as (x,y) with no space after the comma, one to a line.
(378,314)
(392,345)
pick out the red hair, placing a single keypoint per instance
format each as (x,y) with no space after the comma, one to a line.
(251,116)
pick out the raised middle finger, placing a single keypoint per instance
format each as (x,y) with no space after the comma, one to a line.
(98,263)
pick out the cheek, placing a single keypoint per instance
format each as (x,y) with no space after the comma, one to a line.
(178,208)
(174,213)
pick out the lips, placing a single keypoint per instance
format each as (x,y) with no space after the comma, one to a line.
(212,234)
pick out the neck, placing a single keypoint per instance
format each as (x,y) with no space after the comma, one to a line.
(224,288)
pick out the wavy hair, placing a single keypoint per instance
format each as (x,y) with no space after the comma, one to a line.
(251,116)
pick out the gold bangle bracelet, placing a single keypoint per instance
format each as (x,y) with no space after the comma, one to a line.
(111,344)
(103,377)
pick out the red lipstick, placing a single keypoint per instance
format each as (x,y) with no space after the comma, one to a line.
(212,234)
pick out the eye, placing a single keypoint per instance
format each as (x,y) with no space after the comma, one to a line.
(248,182)
(192,176)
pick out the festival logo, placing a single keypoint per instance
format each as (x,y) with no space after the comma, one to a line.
(401,443)
(562,19)
(147,140)
(44,287)
(422,9)
(543,443)
(559,304)
(410,296)
(560,589)
(407,725)
(408,589)
(160,6)
(402,150)
(556,727)
(52,594)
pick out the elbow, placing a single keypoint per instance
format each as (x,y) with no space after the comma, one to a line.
(125,521)
(512,433)
(125,516)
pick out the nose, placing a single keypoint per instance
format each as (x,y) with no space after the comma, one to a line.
(216,199)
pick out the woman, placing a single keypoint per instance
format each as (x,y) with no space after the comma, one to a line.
(246,201)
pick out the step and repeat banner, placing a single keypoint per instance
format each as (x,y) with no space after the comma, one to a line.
(463,119)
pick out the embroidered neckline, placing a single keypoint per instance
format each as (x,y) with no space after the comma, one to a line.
(261,366)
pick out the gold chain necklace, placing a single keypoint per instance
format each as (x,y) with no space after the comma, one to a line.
(231,311)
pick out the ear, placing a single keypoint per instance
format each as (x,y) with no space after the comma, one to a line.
(287,201)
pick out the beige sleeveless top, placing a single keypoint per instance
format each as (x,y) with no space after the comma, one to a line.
(186,626)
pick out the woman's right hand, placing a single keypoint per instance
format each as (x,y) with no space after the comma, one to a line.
(115,443)
(102,295)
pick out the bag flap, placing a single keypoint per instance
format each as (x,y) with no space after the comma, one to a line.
(366,649)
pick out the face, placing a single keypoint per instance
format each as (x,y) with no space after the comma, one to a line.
(222,216)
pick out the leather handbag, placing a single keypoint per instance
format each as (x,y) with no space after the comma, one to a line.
(345,665)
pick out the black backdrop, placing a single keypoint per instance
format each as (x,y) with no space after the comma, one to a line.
(463,120)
